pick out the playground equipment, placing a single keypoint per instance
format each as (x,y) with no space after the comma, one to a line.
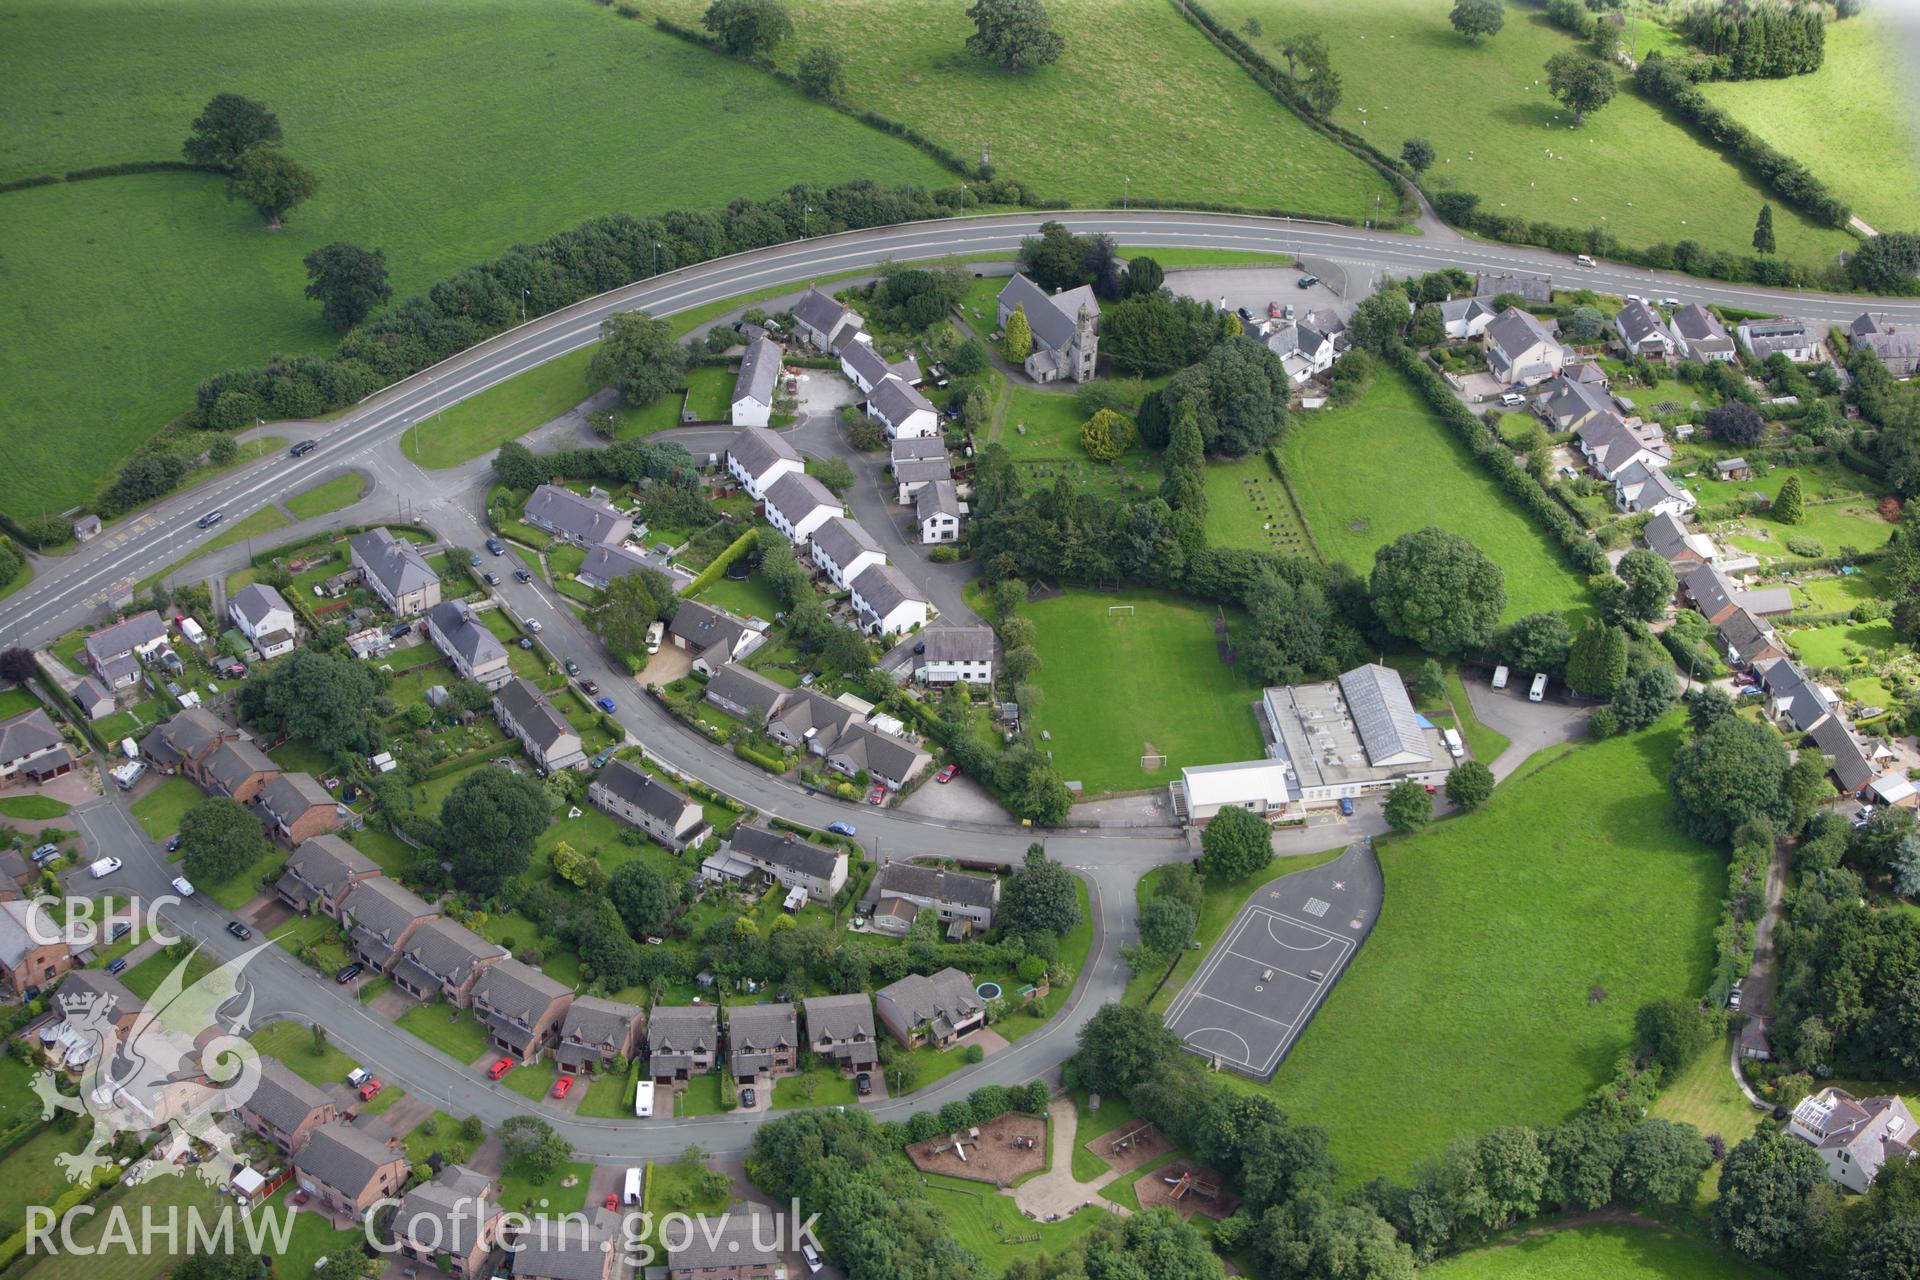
(1024,1142)
(957,1143)
(1127,1139)
(1188,1182)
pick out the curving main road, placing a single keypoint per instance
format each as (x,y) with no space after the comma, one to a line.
(68,590)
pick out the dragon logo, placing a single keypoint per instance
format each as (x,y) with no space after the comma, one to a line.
(179,1066)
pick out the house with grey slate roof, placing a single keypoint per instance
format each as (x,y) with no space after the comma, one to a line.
(92,697)
(1793,338)
(1701,335)
(1529,285)
(444,958)
(521,1008)
(453,1217)
(797,504)
(843,550)
(284,1109)
(824,321)
(783,857)
(914,449)
(757,384)
(1792,697)
(934,1010)
(904,411)
(294,807)
(956,654)
(319,873)
(348,1170)
(911,475)
(395,571)
(1747,641)
(183,744)
(569,1248)
(888,601)
(380,917)
(811,721)
(682,1041)
(953,895)
(1639,488)
(525,713)
(605,565)
(1898,348)
(635,796)
(937,509)
(31,747)
(1643,333)
(584,522)
(866,368)
(1852,769)
(1567,403)
(264,617)
(744,694)
(114,652)
(1065,325)
(597,1029)
(1856,1137)
(714,636)
(237,770)
(1520,350)
(733,1247)
(882,756)
(763,1042)
(758,457)
(841,1029)
(1680,547)
(83,990)
(475,652)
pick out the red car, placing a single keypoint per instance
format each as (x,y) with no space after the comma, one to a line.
(878,795)
(370,1090)
(499,1068)
(562,1086)
(613,1200)
(947,774)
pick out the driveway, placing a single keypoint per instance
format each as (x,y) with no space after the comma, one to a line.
(1529,726)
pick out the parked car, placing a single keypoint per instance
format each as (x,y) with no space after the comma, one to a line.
(370,1090)
(239,931)
(349,972)
(612,1201)
(746,1097)
(563,1086)
(1346,807)
(947,774)
(573,668)
(399,630)
(526,642)
(1500,674)
(173,843)
(841,828)
(1733,998)
(589,688)
(532,624)
(919,648)
(522,575)
(211,519)
(863,1084)
(304,448)
(812,1255)
(1308,281)
(183,886)
(878,795)
(493,579)
(357,1077)
(104,867)
(117,965)
(120,930)
(494,546)
(499,1068)
(606,704)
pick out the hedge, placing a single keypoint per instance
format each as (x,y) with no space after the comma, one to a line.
(759,759)
(1194,206)
(16,1244)
(711,574)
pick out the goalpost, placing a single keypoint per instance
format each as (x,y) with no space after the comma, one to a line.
(1115,611)
(1153,760)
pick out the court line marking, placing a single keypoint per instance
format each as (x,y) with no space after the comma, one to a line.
(1184,1004)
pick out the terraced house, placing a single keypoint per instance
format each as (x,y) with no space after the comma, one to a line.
(888,602)
(319,874)
(758,457)
(183,744)
(236,769)
(294,807)
(842,550)
(637,797)
(521,1008)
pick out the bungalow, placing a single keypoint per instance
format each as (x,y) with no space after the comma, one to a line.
(1701,335)
(899,405)
(934,1010)
(569,1247)
(1793,338)
(843,550)
(606,565)
(1747,641)
(597,1030)
(682,1041)
(757,457)
(714,636)
(1466,317)
(1643,333)
(31,747)
(810,720)
(866,368)
(1792,697)
(881,756)
(731,1247)
(785,858)
(757,385)
(237,770)
(114,652)
(1669,539)
(763,1041)
(840,1028)
(1568,402)
(379,917)
(284,1109)
(296,808)
(887,601)
(637,797)
(1716,596)
(444,958)
(452,1217)
(956,654)
(27,960)
(1639,488)
(1851,768)
(937,508)
(521,1008)
(475,652)
(797,504)
(1529,285)
(744,694)
(93,699)
(265,618)
(911,475)
(953,895)
(823,321)
(1065,326)
(584,522)
(1521,351)
(320,872)
(348,1170)
(1855,1137)
(1898,349)
(525,713)
(396,571)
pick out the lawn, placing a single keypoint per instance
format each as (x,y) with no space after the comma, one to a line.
(609,1097)
(1117,686)
(32,1175)
(1840,510)
(990,1224)
(313,1237)
(1626,169)
(1374,470)
(1175,116)
(432,144)
(701,1097)
(17,700)
(460,1037)
(144,979)
(120,1258)
(1474,1002)
(161,809)
(710,392)
(517,1191)
(1603,1252)
(293,1045)
(1248,506)
(341,491)
(831,1088)
(1704,1095)
(445,1138)
(1838,646)
(244,885)
(33,808)
(484,422)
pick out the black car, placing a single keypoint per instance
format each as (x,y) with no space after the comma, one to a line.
(522,575)
(746,1097)
(1307,282)
(120,930)
(117,965)
(211,519)
(573,668)
(349,973)
(494,545)
(304,448)
(173,843)
(863,1084)
(239,930)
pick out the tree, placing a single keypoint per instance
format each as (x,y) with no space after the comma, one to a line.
(821,73)
(1765,1185)
(1661,1163)
(272,182)
(1430,686)
(626,609)
(1408,807)
(1476,18)
(1119,1045)
(223,451)
(320,698)
(641,895)
(1438,590)
(1597,662)
(1310,68)
(1885,263)
(1579,83)
(17,665)
(638,355)
(1787,508)
(1890,1251)
(1650,583)
(228,128)
(1706,707)
(750,28)
(1378,320)
(222,838)
(1729,775)
(1166,926)
(1106,435)
(608,952)
(1673,1030)
(1763,231)
(1017,34)
(1236,843)
(1469,784)
(1019,336)
(831,472)
(533,1146)
(1586,324)
(1644,697)
(1040,897)
(1144,275)
(347,281)
(1239,392)
(489,822)
(1736,422)
(1417,154)
(1535,642)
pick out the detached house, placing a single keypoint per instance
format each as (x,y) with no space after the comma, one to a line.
(757,385)
(1568,403)
(824,321)
(1682,549)
(714,636)
(237,770)
(31,747)
(637,797)
(1303,350)
(444,958)
(475,652)
(744,694)
(92,697)
(596,1030)
(820,870)
(1856,1137)
(900,890)
(395,571)
(584,522)
(1521,351)
(1643,333)
(1701,335)
(606,565)
(797,504)
(294,807)
(1793,338)
(682,1041)
(1466,317)
(933,1010)
(843,550)
(114,652)
(840,1028)
(763,1041)
(284,1109)
(380,917)
(881,756)
(521,1008)
(348,1170)
(887,601)
(956,654)
(264,618)
(811,721)
(937,509)
(453,1217)
(1898,349)
(1065,325)
(319,874)
(757,457)
(1639,488)
(524,712)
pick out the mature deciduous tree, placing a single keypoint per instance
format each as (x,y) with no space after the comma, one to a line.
(750,27)
(641,895)
(1417,154)
(1106,435)
(1235,844)
(1661,1163)
(321,698)
(1017,34)
(490,822)
(1476,18)
(1408,806)
(822,73)
(1469,784)
(638,355)
(1735,422)
(1729,775)
(1579,83)
(1765,1186)
(1673,1031)
(1535,642)
(221,838)
(347,281)
(272,182)
(1040,897)
(1310,68)
(1438,590)
(228,128)
(626,609)
(1118,1046)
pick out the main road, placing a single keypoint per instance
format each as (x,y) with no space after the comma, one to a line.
(68,588)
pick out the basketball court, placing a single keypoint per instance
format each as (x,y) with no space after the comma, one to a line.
(1259,987)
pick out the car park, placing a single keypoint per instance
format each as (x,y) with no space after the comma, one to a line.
(183,886)
(494,545)
(841,828)
(304,448)
(239,930)
(563,1086)
(211,519)
(349,972)
(948,774)
(499,1068)
(606,704)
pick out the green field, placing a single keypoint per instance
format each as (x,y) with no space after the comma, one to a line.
(1374,470)
(1173,114)
(1112,685)
(1627,169)
(160,810)
(498,414)
(432,142)
(1704,1095)
(341,491)
(114,1259)
(1473,1002)
(1602,1252)
(1247,506)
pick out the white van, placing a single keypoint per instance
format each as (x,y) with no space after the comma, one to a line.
(631,1194)
(1583,259)
(643,1100)
(103,868)
(1500,677)
(655,634)
(1539,691)
(1455,747)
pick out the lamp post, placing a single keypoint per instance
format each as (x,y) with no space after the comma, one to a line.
(523,305)
(1126,197)
(656,257)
